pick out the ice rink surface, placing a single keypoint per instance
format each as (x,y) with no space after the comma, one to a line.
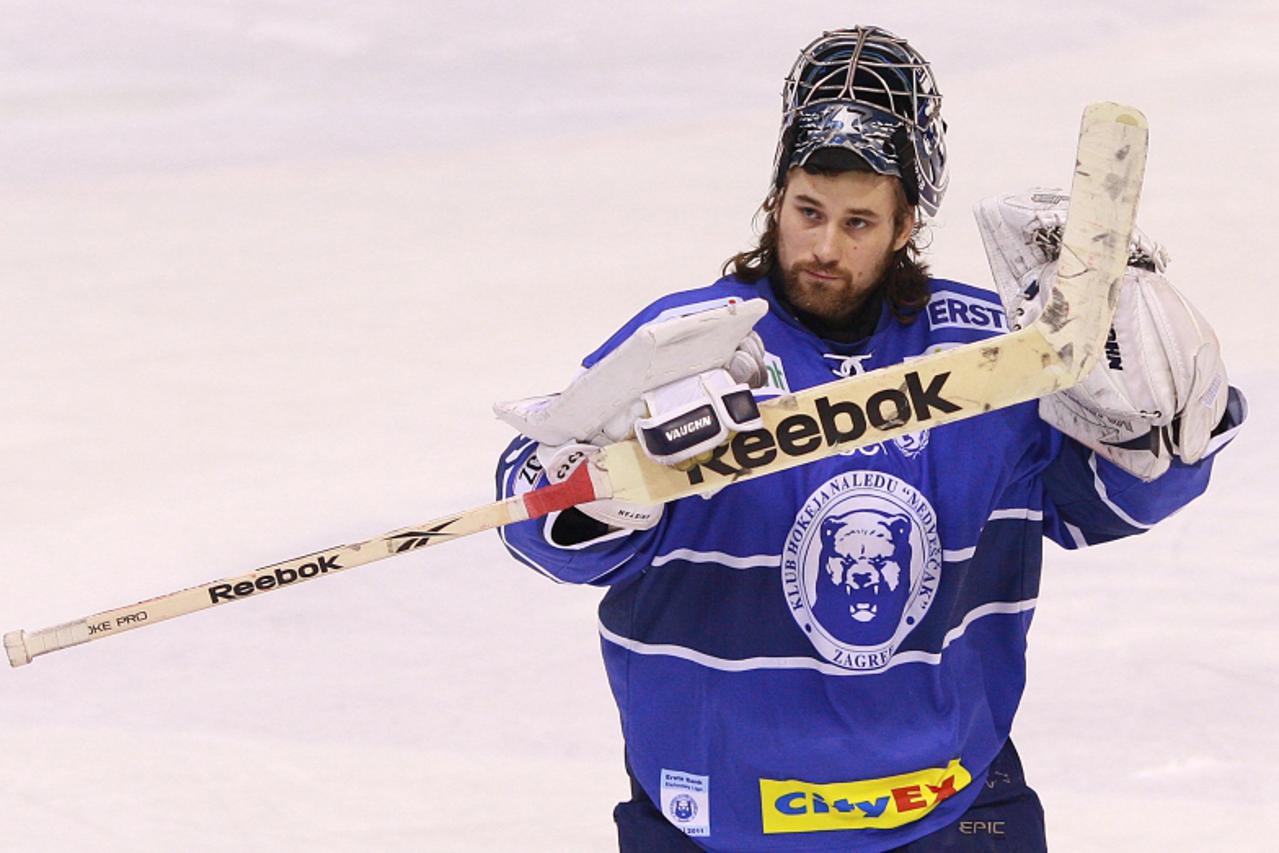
(265,266)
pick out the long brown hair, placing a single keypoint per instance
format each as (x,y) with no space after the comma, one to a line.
(905,283)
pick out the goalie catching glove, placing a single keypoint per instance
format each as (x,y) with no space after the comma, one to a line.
(681,386)
(1160,388)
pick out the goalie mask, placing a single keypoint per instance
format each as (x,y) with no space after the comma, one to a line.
(869,93)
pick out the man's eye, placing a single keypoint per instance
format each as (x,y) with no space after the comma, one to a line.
(857,223)
(810,212)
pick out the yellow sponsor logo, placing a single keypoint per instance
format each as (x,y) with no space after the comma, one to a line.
(790,805)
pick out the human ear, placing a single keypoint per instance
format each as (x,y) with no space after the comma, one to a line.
(905,229)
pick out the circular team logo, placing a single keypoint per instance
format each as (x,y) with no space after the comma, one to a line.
(683,808)
(860,567)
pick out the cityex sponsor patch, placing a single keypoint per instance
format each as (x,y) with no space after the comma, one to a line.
(791,805)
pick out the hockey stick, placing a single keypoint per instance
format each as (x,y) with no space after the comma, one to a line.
(1054,352)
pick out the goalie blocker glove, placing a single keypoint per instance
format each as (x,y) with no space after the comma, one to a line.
(687,419)
(693,416)
(1160,388)
(681,385)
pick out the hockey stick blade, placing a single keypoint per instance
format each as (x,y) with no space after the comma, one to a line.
(1051,354)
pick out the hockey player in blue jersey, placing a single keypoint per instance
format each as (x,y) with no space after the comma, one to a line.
(830,657)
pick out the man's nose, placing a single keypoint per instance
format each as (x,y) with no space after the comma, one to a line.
(826,245)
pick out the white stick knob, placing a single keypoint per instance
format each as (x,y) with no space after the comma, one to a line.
(15,644)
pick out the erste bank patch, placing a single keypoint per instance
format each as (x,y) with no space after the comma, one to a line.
(949,309)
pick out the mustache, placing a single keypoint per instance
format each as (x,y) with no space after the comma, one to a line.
(830,268)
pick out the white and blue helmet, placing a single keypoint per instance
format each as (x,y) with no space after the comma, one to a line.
(868,92)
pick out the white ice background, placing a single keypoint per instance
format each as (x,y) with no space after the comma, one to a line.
(265,266)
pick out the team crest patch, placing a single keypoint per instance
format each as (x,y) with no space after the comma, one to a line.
(861,566)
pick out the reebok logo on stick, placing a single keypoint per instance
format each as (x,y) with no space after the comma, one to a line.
(280,577)
(831,423)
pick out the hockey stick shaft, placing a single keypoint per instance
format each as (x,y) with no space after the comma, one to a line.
(23,646)
(1050,355)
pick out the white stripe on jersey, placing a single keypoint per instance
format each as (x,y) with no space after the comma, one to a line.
(1105,496)
(754,561)
(1022,513)
(748,664)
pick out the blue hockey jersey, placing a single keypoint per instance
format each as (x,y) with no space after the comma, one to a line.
(828,658)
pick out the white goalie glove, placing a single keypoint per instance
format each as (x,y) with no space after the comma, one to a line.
(682,386)
(1160,388)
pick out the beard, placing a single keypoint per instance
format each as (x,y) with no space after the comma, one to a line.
(831,301)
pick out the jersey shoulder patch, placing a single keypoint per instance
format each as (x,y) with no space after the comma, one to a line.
(961,306)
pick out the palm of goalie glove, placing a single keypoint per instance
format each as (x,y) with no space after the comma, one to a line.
(1160,388)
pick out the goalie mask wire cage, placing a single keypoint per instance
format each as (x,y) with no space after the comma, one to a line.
(868,92)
